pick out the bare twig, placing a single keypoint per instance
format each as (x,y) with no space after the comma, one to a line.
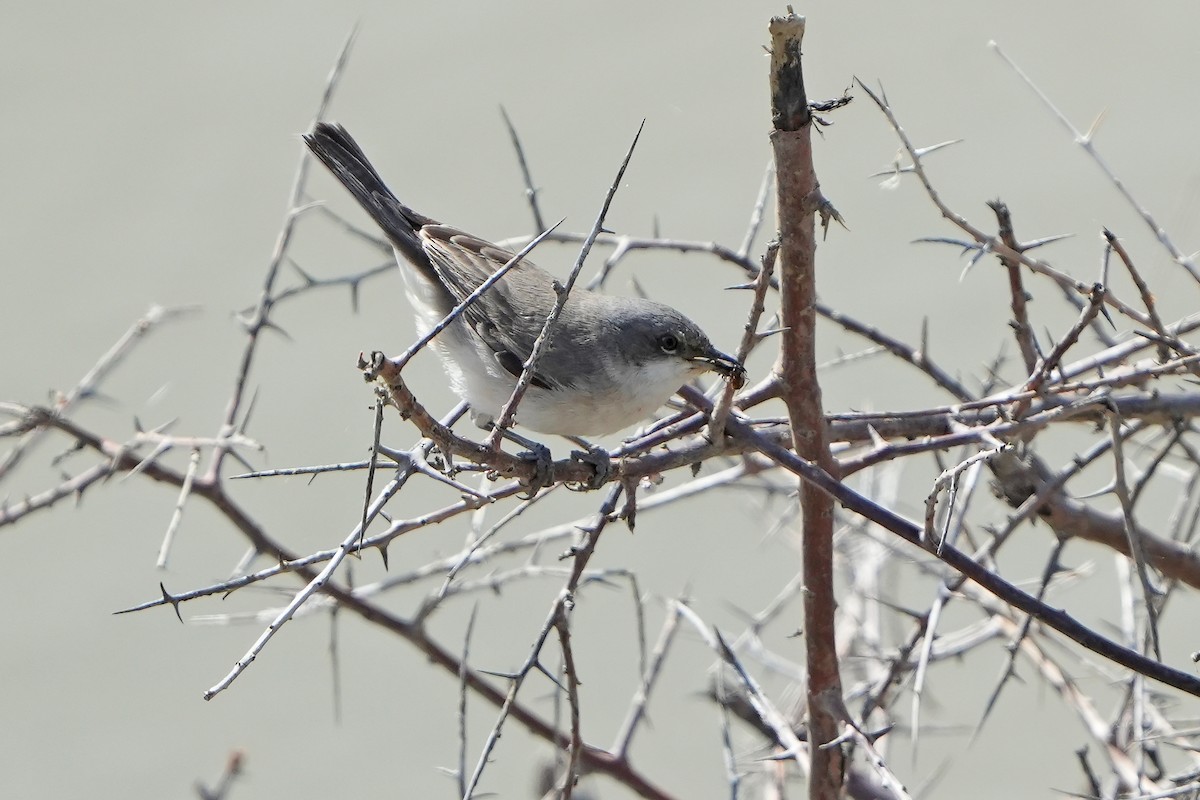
(531,191)
(1137,551)
(1086,141)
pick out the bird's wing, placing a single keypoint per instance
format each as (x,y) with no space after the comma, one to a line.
(464,262)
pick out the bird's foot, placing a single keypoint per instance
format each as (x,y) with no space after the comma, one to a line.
(601,463)
(543,467)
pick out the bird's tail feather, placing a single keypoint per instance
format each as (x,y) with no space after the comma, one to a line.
(337,150)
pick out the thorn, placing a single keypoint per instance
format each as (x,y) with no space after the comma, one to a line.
(168,598)
(270,324)
(249,410)
(1087,137)
(876,439)
(922,151)
(512,676)
(1103,490)
(975,259)
(1043,241)
(554,679)
(771,332)
(309,280)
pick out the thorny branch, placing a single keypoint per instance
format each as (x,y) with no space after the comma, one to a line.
(1136,385)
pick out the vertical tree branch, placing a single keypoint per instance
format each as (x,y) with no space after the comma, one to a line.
(1019,297)
(798,199)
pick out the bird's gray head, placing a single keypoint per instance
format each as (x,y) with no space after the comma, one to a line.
(658,341)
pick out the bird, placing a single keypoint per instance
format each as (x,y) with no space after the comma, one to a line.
(611,362)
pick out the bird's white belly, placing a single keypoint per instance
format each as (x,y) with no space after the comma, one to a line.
(571,412)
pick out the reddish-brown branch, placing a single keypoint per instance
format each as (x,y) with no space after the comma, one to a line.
(798,201)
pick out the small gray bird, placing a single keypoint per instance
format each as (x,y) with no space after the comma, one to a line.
(612,361)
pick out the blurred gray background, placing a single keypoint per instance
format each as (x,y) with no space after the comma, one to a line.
(147,154)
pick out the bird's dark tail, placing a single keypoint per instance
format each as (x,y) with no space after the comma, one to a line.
(337,150)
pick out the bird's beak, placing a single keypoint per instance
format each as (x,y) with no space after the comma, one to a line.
(727,365)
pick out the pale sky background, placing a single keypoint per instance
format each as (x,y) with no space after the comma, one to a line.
(146,157)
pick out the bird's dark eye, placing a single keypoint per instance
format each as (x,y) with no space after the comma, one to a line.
(669,342)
